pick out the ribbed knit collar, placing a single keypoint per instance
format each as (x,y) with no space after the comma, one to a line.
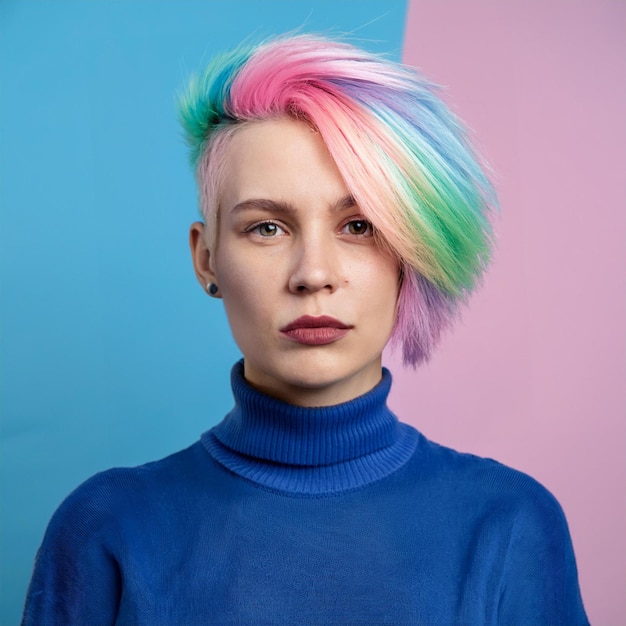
(310,450)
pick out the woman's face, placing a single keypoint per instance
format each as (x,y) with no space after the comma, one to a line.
(309,295)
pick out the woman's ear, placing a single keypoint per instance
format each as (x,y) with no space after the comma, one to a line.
(202,261)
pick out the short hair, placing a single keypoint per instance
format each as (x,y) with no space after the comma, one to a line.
(404,157)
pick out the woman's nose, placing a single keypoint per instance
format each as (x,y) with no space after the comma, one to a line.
(315,266)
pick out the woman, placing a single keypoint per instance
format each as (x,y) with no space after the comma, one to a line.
(342,207)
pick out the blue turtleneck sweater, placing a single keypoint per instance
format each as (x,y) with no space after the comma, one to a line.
(288,515)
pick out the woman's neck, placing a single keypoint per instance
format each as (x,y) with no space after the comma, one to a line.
(318,391)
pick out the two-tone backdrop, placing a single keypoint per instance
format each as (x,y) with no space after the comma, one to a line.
(112,355)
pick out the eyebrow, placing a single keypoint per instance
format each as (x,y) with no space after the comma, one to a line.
(278,206)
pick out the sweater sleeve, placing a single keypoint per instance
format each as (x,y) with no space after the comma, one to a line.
(539,586)
(76,579)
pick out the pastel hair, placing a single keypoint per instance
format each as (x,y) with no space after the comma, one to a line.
(403,155)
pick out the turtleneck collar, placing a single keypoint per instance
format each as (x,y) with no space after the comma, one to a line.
(310,450)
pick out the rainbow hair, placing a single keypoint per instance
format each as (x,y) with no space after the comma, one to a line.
(402,154)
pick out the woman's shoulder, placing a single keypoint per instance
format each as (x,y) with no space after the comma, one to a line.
(467,475)
(130,490)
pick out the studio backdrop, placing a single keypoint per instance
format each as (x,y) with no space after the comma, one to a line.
(112,355)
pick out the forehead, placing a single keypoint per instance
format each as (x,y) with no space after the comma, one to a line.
(280,159)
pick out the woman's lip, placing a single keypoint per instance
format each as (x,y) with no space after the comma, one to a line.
(310,322)
(316,331)
(316,336)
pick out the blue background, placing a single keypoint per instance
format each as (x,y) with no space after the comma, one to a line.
(111,352)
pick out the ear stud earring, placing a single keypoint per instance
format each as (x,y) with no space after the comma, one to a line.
(212,289)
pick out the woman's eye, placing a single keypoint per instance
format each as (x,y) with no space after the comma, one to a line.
(266,229)
(359,227)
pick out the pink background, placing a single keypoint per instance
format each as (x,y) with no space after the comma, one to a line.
(535,374)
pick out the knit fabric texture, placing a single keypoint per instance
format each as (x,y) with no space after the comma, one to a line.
(288,515)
